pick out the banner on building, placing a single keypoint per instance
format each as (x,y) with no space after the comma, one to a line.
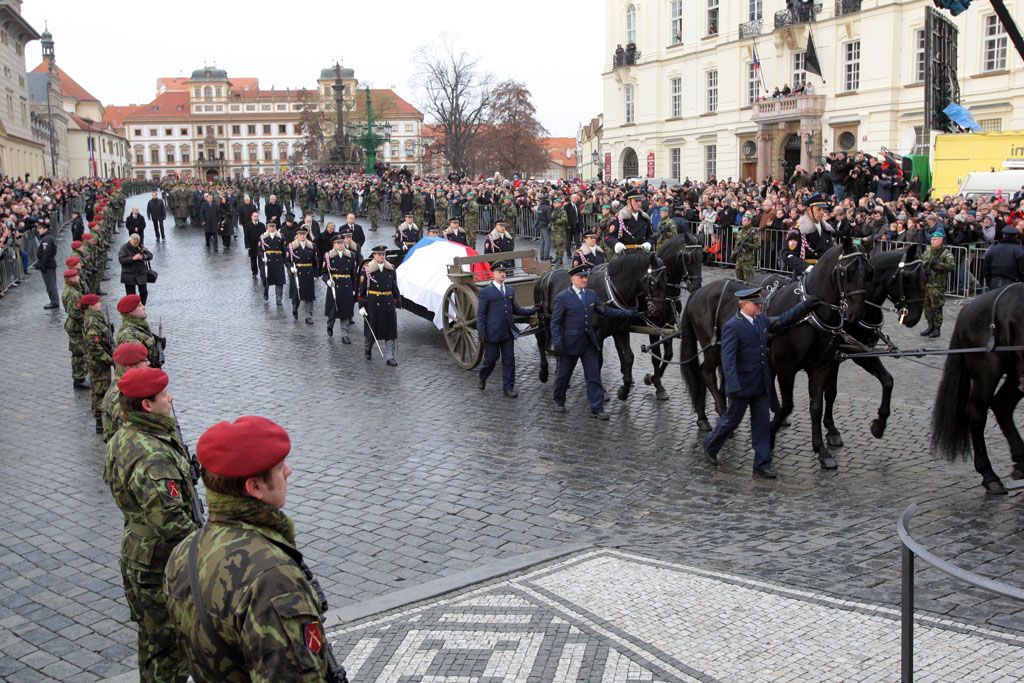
(607,166)
(650,164)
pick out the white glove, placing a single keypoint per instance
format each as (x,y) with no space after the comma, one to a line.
(362,311)
(295,271)
(330,282)
(646,246)
(619,247)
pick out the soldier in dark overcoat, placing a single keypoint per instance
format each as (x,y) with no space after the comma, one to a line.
(304,269)
(340,272)
(379,299)
(271,246)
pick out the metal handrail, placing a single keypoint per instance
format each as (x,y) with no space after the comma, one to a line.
(912,549)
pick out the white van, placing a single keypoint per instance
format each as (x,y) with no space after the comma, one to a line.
(986,184)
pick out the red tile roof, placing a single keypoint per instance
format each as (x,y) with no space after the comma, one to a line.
(181,84)
(95,126)
(68,86)
(561,151)
(386,100)
(114,114)
(168,105)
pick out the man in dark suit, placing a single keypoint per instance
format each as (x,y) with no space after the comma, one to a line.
(136,224)
(574,339)
(156,211)
(273,210)
(208,221)
(251,231)
(748,378)
(358,236)
(497,329)
(572,214)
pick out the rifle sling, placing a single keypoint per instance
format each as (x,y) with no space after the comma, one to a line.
(197,598)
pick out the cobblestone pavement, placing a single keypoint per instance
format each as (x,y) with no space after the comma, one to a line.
(407,474)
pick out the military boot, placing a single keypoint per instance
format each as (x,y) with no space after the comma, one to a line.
(934,334)
(928,331)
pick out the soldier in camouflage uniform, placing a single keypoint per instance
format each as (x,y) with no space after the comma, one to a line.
(939,263)
(471,218)
(748,241)
(441,209)
(286,195)
(418,208)
(666,227)
(321,203)
(99,345)
(135,327)
(509,213)
(349,205)
(73,326)
(148,473)
(371,210)
(255,608)
(127,356)
(559,229)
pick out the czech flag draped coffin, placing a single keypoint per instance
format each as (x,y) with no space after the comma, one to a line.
(423,275)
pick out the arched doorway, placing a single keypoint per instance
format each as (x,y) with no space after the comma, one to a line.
(212,175)
(630,164)
(790,155)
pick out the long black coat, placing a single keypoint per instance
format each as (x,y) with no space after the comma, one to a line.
(251,233)
(133,272)
(343,271)
(156,210)
(358,236)
(303,259)
(273,212)
(378,293)
(272,250)
(209,218)
(135,223)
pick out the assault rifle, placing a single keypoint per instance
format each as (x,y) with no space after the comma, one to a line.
(161,344)
(746,244)
(195,471)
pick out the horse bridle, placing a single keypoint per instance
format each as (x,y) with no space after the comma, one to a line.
(899,298)
(650,278)
(839,279)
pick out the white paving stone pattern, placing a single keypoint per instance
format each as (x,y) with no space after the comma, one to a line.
(611,616)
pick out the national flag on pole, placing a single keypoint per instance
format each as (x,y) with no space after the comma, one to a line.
(757,61)
(811,64)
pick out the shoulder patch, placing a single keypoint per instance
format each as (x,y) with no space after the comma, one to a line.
(172,489)
(312,636)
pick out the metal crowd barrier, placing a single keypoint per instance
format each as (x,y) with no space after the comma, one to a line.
(13,266)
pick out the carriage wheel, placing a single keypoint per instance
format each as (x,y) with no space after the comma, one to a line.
(460,335)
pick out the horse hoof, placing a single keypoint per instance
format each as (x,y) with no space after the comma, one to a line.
(703,425)
(877,429)
(622,394)
(834,440)
(648,379)
(661,394)
(994,488)
(543,376)
(828,462)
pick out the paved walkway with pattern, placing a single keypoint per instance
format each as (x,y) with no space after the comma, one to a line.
(404,475)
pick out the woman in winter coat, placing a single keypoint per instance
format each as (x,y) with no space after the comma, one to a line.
(224,226)
(134,259)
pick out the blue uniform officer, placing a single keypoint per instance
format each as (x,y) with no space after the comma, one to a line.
(748,377)
(496,325)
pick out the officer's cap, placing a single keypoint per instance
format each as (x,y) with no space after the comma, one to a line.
(816,199)
(1010,230)
(753,295)
(582,269)
(635,194)
(338,238)
(589,232)
(505,268)
(380,249)
(499,221)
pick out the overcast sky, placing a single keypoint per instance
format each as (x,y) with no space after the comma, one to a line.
(116,49)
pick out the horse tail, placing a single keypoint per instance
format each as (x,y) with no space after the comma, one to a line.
(689,363)
(951,433)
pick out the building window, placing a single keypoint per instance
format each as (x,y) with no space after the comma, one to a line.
(154,156)
(152,132)
(207,92)
(184,131)
(252,152)
(919,56)
(199,130)
(710,161)
(995,44)
(250,107)
(630,24)
(676,26)
(170,156)
(168,132)
(266,129)
(408,128)
(282,129)
(752,83)
(297,128)
(410,150)
(991,125)
(846,141)
(137,132)
(922,140)
(236,153)
(235,107)
(712,83)
(712,17)
(755,10)
(250,129)
(851,66)
(236,130)
(220,130)
(139,157)
(677,96)
(630,114)
(282,107)
(394,150)
(265,107)
(675,158)
(799,75)
(186,155)
(268,154)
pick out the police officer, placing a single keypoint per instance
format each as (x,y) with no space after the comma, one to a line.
(748,378)
(148,475)
(239,593)
(379,300)
(574,339)
(496,325)
(589,254)
(1004,262)
(340,272)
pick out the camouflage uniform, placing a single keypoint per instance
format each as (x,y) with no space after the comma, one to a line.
(938,263)
(135,329)
(350,201)
(441,210)
(98,347)
(73,326)
(110,406)
(148,474)
(372,209)
(418,208)
(559,228)
(321,203)
(508,210)
(470,213)
(748,241)
(257,593)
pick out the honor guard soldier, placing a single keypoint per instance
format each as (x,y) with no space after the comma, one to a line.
(407,235)
(340,272)
(817,232)
(239,594)
(455,233)
(589,255)
(574,339)
(127,356)
(632,228)
(496,324)
(99,344)
(304,270)
(70,297)
(271,246)
(748,377)
(147,471)
(135,327)
(497,241)
(379,301)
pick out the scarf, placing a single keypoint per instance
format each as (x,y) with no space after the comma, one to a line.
(156,424)
(251,511)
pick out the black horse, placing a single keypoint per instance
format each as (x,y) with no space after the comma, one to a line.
(899,277)
(838,280)
(630,280)
(969,383)
(683,256)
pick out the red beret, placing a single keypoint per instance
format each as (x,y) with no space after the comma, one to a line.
(87,237)
(244,448)
(72,261)
(142,382)
(92,224)
(71,272)
(88,300)
(76,244)
(130,353)
(128,303)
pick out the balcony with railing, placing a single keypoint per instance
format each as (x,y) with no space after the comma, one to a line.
(628,56)
(751,28)
(788,108)
(844,7)
(799,13)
